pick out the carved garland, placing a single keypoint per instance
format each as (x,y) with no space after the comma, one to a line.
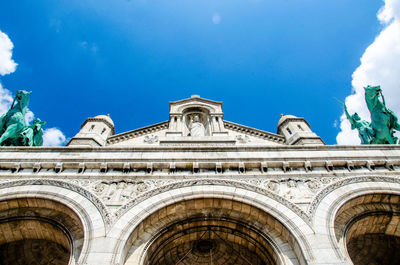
(87,194)
(323,193)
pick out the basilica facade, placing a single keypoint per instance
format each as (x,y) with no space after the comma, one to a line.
(198,190)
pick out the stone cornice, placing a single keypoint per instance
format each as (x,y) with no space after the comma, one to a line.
(285,148)
(316,137)
(84,138)
(254,132)
(137,132)
(278,160)
(204,100)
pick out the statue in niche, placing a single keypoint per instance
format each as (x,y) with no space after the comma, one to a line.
(196,128)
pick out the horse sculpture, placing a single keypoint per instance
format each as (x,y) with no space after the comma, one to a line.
(383,120)
(13,129)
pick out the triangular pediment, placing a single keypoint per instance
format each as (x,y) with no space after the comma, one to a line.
(236,134)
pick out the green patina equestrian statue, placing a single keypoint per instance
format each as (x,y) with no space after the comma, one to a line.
(365,132)
(383,121)
(13,129)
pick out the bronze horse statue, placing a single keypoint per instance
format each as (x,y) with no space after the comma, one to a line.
(383,120)
(13,129)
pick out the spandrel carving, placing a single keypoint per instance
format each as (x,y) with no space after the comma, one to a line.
(119,192)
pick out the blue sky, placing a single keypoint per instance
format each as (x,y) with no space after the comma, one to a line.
(130,58)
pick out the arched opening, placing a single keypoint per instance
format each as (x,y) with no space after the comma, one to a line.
(211,231)
(211,241)
(39,231)
(368,228)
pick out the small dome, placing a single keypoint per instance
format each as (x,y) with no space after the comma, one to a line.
(285,117)
(105,117)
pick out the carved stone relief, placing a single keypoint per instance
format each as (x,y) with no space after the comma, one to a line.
(79,186)
(127,193)
(242,138)
(150,139)
(292,189)
(119,192)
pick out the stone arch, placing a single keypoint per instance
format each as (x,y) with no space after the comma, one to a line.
(48,217)
(205,106)
(289,245)
(355,211)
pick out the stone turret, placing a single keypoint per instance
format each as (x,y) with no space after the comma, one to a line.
(94,132)
(297,131)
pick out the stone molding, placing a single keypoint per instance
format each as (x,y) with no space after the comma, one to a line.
(148,188)
(199,99)
(224,182)
(256,167)
(330,188)
(137,132)
(63,184)
(255,132)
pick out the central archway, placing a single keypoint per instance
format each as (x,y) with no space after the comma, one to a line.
(201,241)
(211,231)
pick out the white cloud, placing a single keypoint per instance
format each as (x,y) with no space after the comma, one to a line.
(93,47)
(216,18)
(380,65)
(53,137)
(7,65)
(6,99)
(29,116)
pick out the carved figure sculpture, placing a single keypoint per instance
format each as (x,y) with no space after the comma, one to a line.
(196,127)
(13,129)
(383,120)
(365,132)
(33,134)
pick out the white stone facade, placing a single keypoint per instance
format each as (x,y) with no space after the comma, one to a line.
(153,195)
